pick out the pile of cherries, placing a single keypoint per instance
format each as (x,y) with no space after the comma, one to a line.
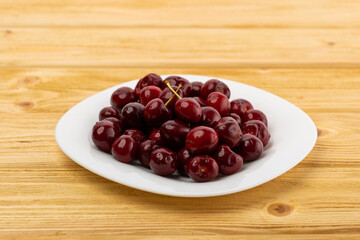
(173,124)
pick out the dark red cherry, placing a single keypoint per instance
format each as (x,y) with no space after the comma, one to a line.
(132,116)
(145,149)
(250,148)
(149,93)
(124,148)
(184,157)
(188,110)
(173,133)
(195,89)
(201,101)
(254,114)
(104,133)
(108,112)
(220,102)
(163,161)
(214,85)
(156,113)
(122,96)
(229,131)
(258,129)
(203,168)
(166,94)
(201,140)
(236,117)
(240,106)
(229,162)
(176,81)
(118,123)
(138,135)
(151,79)
(156,135)
(210,117)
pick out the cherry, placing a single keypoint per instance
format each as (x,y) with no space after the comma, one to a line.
(183,156)
(176,81)
(156,135)
(145,149)
(201,140)
(163,161)
(202,168)
(117,122)
(108,112)
(122,96)
(149,93)
(229,162)
(258,129)
(250,148)
(236,117)
(240,106)
(220,102)
(214,85)
(124,148)
(167,94)
(255,114)
(229,131)
(173,133)
(195,89)
(132,116)
(138,135)
(156,113)
(210,117)
(151,79)
(188,110)
(104,133)
(201,101)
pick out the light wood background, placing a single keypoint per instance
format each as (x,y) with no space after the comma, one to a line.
(54,54)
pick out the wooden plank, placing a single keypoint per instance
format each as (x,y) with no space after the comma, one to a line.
(182,47)
(45,195)
(184,13)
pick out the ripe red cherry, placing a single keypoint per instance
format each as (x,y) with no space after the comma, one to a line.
(240,106)
(167,94)
(117,122)
(138,135)
(220,102)
(163,161)
(156,135)
(236,117)
(214,85)
(104,133)
(145,149)
(255,114)
(201,101)
(195,89)
(151,79)
(229,131)
(132,116)
(210,117)
(173,133)
(229,162)
(149,93)
(176,81)
(250,148)
(258,129)
(156,113)
(184,157)
(201,140)
(108,112)
(124,148)
(122,96)
(203,168)
(188,110)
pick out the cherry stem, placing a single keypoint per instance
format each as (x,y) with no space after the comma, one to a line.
(168,85)
(175,93)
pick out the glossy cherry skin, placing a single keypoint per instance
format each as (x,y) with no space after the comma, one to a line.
(258,129)
(203,168)
(250,148)
(118,123)
(124,149)
(163,161)
(195,89)
(229,162)
(210,117)
(104,133)
(236,117)
(166,94)
(151,79)
(156,113)
(132,116)
(145,149)
(220,102)
(149,93)
(108,112)
(138,135)
(255,114)
(176,81)
(122,96)
(229,131)
(156,135)
(240,106)
(201,101)
(183,156)
(201,140)
(214,85)
(188,110)
(173,133)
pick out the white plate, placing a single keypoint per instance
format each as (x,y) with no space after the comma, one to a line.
(293,135)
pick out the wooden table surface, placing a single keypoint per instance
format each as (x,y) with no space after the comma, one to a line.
(54,54)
